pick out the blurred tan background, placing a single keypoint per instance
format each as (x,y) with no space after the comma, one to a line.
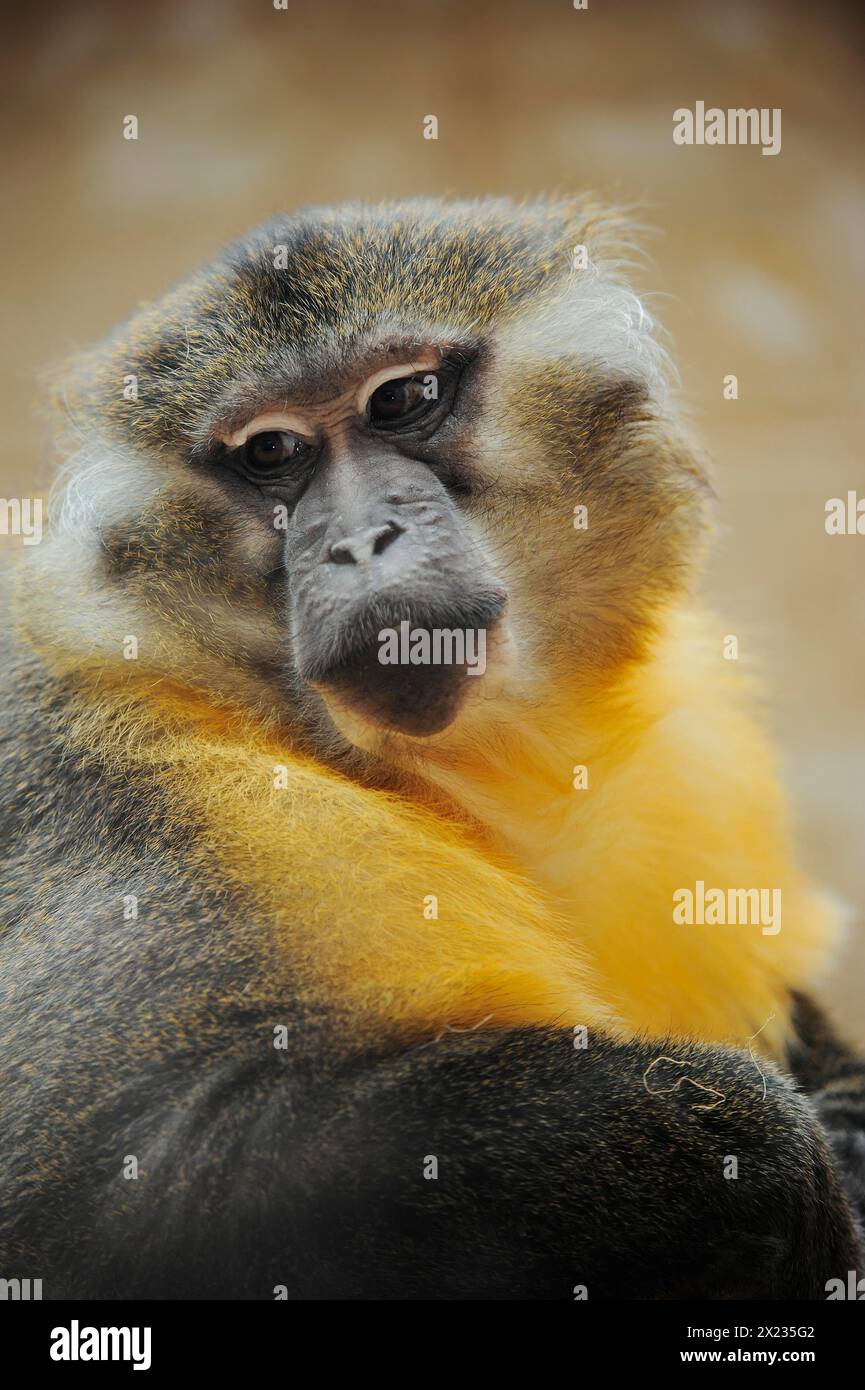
(759,262)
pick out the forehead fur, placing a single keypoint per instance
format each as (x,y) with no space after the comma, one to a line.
(290,306)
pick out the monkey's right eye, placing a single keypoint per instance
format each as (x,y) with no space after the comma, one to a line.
(273,451)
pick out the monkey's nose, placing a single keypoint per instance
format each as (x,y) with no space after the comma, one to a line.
(363,545)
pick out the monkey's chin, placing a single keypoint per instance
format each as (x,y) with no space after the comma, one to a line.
(373,706)
(416,702)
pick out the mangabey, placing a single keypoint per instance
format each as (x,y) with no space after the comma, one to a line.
(373,992)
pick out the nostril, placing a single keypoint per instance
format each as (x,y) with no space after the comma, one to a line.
(341,553)
(386,534)
(353,550)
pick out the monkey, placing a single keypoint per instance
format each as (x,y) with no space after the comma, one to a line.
(329,977)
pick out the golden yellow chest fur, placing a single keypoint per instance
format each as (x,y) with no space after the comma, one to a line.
(654,823)
(560,908)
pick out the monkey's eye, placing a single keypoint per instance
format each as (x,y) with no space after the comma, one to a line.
(271,452)
(407,398)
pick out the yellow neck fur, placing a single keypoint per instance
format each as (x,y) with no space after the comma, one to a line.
(560,912)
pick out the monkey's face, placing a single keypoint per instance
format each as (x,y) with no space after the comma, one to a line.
(389,591)
(401,468)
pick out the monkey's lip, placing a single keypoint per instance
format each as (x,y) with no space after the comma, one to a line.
(414,698)
(398,665)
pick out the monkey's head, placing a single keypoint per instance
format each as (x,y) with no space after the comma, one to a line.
(393,469)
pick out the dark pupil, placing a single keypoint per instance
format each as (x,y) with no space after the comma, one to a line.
(270,449)
(395,398)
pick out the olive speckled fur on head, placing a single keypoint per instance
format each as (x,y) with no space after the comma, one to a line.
(243,323)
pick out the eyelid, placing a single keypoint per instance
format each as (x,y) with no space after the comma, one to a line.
(296,424)
(397,373)
(263,424)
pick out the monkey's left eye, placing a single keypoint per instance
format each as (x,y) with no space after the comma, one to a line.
(272,451)
(408,398)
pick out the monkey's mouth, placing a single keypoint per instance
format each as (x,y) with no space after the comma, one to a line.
(409,677)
